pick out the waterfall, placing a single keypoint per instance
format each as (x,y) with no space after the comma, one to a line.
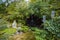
(44,18)
(52,14)
(14,24)
(6,4)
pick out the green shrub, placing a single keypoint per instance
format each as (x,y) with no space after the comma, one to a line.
(53,28)
(39,34)
(3,24)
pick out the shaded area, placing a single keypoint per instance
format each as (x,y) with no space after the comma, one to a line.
(34,21)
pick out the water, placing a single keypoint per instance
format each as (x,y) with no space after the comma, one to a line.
(52,14)
(14,24)
(6,4)
(27,0)
(44,18)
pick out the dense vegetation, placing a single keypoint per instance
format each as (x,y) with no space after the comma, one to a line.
(46,25)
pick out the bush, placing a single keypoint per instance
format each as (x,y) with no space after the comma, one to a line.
(40,34)
(3,24)
(53,28)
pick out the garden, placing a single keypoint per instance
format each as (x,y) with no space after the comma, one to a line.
(29,19)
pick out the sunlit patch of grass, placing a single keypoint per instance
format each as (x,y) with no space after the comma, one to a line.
(9,31)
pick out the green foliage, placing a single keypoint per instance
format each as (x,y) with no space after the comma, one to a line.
(20,10)
(4,35)
(24,29)
(4,31)
(9,31)
(40,34)
(2,9)
(3,24)
(53,27)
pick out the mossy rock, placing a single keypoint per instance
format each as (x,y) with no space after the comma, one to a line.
(23,36)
